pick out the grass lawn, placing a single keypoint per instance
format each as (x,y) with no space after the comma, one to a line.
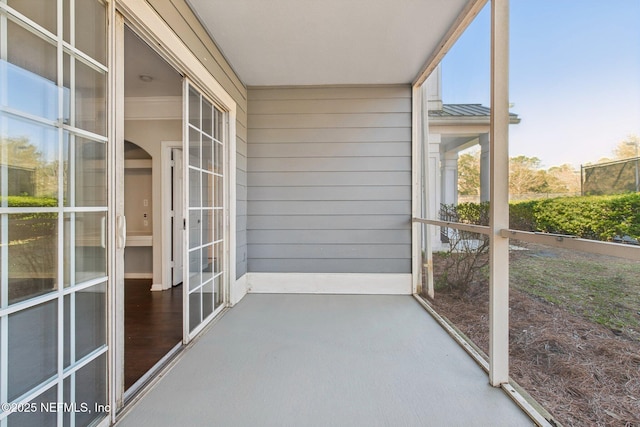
(604,290)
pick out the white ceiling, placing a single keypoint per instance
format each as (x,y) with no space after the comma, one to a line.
(141,60)
(315,42)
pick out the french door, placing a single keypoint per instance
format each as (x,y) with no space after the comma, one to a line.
(204,164)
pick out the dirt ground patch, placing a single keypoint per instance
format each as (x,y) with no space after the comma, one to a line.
(583,372)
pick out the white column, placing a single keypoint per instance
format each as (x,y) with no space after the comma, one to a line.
(449,177)
(484,167)
(433,169)
(499,211)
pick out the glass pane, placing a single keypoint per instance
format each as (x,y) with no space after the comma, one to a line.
(195,303)
(66,345)
(218,160)
(33,255)
(89,247)
(91,389)
(195,268)
(195,228)
(90,99)
(219,223)
(207,153)
(207,226)
(207,299)
(217,258)
(207,189)
(85,172)
(29,92)
(29,152)
(194,148)
(40,418)
(194,107)
(194,188)
(91,325)
(207,117)
(208,259)
(32,347)
(217,288)
(33,77)
(43,13)
(219,192)
(218,125)
(91,29)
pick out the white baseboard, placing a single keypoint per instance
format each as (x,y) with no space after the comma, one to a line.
(157,287)
(329,283)
(138,275)
(238,290)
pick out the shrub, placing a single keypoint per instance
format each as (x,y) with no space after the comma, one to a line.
(31,202)
(521,216)
(590,217)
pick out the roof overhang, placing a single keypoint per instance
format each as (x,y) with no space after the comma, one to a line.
(330,42)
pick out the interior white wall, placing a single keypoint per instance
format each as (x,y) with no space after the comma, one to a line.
(148,134)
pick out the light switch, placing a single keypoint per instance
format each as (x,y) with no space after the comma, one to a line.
(145,202)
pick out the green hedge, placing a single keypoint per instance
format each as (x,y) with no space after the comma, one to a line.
(591,217)
(30,202)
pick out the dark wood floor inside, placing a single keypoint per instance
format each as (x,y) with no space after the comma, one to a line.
(152,326)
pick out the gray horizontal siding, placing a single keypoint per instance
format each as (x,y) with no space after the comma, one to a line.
(324,149)
(321,251)
(325,222)
(331,164)
(332,208)
(328,135)
(330,265)
(179,16)
(337,237)
(322,121)
(329,179)
(283,179)
(392,192)
(331,106)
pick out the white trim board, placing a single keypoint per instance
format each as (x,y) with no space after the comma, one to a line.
(329,283)
(238,290)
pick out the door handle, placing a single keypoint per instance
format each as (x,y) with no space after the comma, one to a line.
(121,225)
(103,232)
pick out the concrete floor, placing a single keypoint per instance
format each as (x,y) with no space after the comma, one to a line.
(325,360)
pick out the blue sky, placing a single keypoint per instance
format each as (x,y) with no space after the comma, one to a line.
(574,76)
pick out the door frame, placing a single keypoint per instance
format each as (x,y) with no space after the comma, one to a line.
(167,178)
(141,18)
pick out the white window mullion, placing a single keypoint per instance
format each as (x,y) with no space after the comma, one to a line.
(60,276)
(4,227)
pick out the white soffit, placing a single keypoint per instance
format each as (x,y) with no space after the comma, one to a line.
(327,42)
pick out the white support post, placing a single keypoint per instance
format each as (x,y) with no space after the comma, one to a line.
(485,166)
(427,211)
(449,177)
(416,193)
(499,211)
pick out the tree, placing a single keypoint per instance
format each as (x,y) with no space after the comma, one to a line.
(525,176)
(30,172)
(563,179)
(628,148)
(469,174)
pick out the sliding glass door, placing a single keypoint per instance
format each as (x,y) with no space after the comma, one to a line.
(204,164)
(53,209)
